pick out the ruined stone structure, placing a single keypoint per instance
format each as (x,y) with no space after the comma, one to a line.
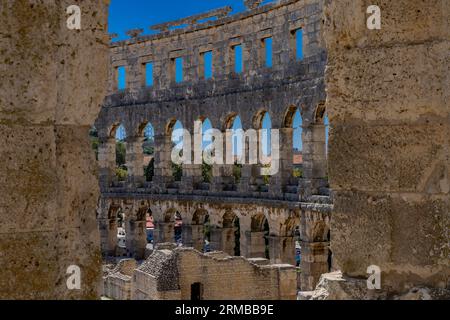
(290,83)
(53,83)
(388,103)
(185,273)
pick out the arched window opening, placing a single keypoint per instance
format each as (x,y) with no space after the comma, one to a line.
(231,234)
(148,148)
(237,148)
(177,140)
(121,233)
(206,145)
(121,153)
(201,230)
(149,227)
(265,146)
(178,229)
(260,232)
(297,160)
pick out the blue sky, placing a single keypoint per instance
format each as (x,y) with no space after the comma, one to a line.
(131,14)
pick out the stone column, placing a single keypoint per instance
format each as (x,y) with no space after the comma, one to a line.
(314,240)
(135,161)
(164,232)
(256,245)
(136,237)
(280,180)
(54,81)
(107,162)
(228,240)
(163,162)
(216,238)
(248,170)
(198,238)
(192,171)
(314,263)
(108,236)
(186,235)
(314,159)
(282,249)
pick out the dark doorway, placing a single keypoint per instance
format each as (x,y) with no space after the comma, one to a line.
(196,291)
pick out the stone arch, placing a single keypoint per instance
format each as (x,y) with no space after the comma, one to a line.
(229,120)
(258,221)
(320,113)
(231,234)
(289,116)
(288,226)
(320,231)
(170,125)
(258,241)
(200,228)
(258,118)
(199,216)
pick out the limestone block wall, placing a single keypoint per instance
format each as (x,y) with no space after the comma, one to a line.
(234,278)
(387,100)
(53,82)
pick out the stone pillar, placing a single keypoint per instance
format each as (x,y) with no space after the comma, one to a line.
(192,170)
(314,159)
(163,162)
(164,232)
(280,180)
(216,238)
(389,157)
(186,235)
(53,82)
(107,162)
(108,236)
(282,249)
(314,263)
(248,171)
(198,237)
(256,245)
(136,237)
(135,161)
(314,232)
(228,240)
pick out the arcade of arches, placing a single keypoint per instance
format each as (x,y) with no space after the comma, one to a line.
(233,207)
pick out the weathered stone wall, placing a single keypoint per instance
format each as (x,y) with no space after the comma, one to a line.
(387,99)
(235,278)
(53,82)
(169,274)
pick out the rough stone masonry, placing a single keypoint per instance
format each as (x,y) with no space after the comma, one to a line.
(387,99)
(53,82)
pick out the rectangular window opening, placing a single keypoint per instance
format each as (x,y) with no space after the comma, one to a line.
(297,36)
(268,51)
(238,61)
(178,62)
(121,78)
(207,64)
(149,74)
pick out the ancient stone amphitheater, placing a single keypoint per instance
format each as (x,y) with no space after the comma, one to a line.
(377,195)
